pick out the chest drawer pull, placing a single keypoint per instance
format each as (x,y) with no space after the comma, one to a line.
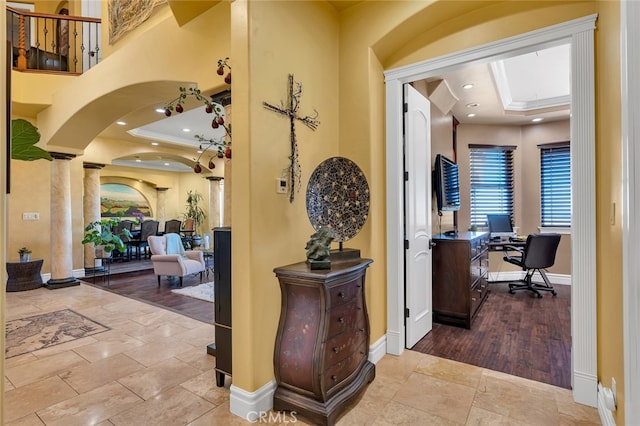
(334,378)
(341,320)
(341,295)
(336,350)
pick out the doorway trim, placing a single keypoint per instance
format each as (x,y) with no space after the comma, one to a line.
(630,90)
(579,33)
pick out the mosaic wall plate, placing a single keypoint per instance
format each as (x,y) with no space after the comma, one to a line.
(338,197)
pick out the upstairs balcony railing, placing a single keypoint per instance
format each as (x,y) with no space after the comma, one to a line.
(53,43)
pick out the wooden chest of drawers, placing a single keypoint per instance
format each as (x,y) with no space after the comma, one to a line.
(460,268)
(322,345)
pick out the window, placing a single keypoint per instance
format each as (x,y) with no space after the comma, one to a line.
(555,185)
(491,173)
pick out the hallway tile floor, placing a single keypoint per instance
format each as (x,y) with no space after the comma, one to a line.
(151,368)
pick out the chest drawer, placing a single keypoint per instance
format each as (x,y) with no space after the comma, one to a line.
(342,369)
(342,345)
(345,293)
(344,317)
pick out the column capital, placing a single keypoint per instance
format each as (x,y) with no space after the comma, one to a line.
(214,178)
(161,189)
(62,156)
(96,166)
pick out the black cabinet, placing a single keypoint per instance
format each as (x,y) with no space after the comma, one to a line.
(222,302)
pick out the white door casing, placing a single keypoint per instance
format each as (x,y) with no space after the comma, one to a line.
(417,159)
(580,34)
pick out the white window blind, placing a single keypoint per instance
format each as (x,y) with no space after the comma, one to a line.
(555,184)
(491,174)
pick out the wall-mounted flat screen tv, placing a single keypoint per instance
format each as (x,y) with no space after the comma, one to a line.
(446,184)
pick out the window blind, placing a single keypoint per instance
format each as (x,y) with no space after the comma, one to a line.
(555,182)
(491,174)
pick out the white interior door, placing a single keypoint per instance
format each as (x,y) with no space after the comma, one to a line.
(417,160)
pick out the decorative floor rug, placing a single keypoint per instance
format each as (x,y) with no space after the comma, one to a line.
(42,331)
(201,291)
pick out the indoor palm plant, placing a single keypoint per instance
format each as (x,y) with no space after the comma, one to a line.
(102,234)
(195,212)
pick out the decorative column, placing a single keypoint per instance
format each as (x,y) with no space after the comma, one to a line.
(91,211)
(160,208)
(215,186)
(61,231)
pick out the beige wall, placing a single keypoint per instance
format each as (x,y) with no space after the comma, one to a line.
(340,59)
(526,160)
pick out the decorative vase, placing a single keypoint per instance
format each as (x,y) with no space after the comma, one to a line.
(196,241)
(101,253)
(25,257)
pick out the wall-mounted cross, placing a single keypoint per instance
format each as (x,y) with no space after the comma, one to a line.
(291,111)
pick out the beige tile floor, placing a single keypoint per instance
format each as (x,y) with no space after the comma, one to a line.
(152,369)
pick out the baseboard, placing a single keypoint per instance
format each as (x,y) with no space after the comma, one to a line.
(395,342)
(252,405)
(585,389)
(77,273)
(606,416)
(559,279)
(378,350)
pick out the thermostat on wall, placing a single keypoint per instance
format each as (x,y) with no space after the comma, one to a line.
(281,185)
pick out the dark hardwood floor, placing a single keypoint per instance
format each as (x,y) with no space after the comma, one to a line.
(136,280)
(517,334)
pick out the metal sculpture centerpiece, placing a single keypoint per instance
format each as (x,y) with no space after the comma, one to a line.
(338,198)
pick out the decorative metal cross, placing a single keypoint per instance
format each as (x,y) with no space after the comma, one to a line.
(291,111)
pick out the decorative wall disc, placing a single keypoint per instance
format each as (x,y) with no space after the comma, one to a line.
(338,197)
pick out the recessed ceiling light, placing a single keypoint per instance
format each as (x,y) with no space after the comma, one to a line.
(138,160)
(160,110)
(155,143)
(121,123)
(186,130)
(166,164)
(199,151)
(473,105)
(467,86)
(536,120)
(471,115)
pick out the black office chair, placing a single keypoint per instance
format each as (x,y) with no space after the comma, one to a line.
(539,253)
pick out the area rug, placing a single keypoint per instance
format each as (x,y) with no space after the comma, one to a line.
(45,330)
(201,291)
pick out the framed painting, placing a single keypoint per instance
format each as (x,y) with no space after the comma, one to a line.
(122,200)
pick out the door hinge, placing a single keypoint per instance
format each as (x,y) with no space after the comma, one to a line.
(406,244)
(406,312)
(406,176)
(405,107)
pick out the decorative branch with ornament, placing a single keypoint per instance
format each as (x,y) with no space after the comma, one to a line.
(221,145)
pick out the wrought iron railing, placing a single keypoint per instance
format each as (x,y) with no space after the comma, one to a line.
(53,43)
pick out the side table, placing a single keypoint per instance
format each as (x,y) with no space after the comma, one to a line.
(106,270)
(24,275)
(208,258)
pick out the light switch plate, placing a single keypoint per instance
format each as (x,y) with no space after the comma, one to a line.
(30,216)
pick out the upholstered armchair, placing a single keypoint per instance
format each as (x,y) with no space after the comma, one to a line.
(169,257)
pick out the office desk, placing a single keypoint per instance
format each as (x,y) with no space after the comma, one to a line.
(500,245)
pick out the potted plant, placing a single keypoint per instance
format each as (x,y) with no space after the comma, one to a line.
(195,212)
(101,234)
(25,254)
